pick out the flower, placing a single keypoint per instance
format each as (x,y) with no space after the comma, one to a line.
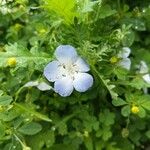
(68,72)
(4,8)
(122,59)
(143,69)
(134,109)
(11,61)
(125,62)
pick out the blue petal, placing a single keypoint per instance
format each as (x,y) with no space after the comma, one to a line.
(82,82)
(147,78)
(51,71)
(64,86)
(82,66)
(143,67)
(44,86)
(125,52)
(125,63)
(66,53)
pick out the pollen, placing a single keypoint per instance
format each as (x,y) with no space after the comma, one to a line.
(113,60)
(11,61)
(135,109)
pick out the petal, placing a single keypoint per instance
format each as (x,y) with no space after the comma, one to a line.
(81,65)
(44,86)
(31,84)
(125,52)
(64,86)
(51,71)
(147,78)
(145,90)
(143,67)
(125,63)
(82,82)
(66,53)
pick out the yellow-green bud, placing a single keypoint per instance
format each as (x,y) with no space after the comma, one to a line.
(86,134)
(11,61)
(134,109)
(125,133)
(42,31)
(113,60)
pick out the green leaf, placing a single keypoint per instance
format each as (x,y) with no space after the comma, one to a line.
(119,102)
(125,111)
(45,137)
(88,6)
(106,11)
(65,9)
(9,115)
(5,100)
(146,104)
(1,92)
(106,83)
(88,143)
(106,133)
(23,56)
(107,117)
(128,39)
(141,112)
(30,128)
(27,108)
(148,134)
(121,73)
(2,131)
(62,129)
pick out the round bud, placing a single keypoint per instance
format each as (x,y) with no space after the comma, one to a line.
(11,61)
(135,109)
(113,60)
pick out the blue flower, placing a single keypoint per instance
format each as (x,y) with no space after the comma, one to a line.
(125,62)
(68,72)
(143,69)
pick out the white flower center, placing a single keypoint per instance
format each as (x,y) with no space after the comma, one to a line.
(69,70)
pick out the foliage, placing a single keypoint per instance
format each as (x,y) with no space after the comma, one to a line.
(114,114)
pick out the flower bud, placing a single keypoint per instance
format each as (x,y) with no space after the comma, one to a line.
(86,134)
(113,60)
(135,109)
(125,133)
(11,61)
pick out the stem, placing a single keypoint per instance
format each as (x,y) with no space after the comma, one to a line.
(18,139)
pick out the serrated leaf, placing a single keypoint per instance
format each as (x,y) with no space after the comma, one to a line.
(106,133)
(62,129)
(107,117)
(64,9)
(105,82)
(88,6)
(23,56)
(30,128)
(5,100)
(26,108)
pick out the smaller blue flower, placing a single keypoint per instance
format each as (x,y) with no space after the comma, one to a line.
(144,70)
(68,72)
(125,62)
